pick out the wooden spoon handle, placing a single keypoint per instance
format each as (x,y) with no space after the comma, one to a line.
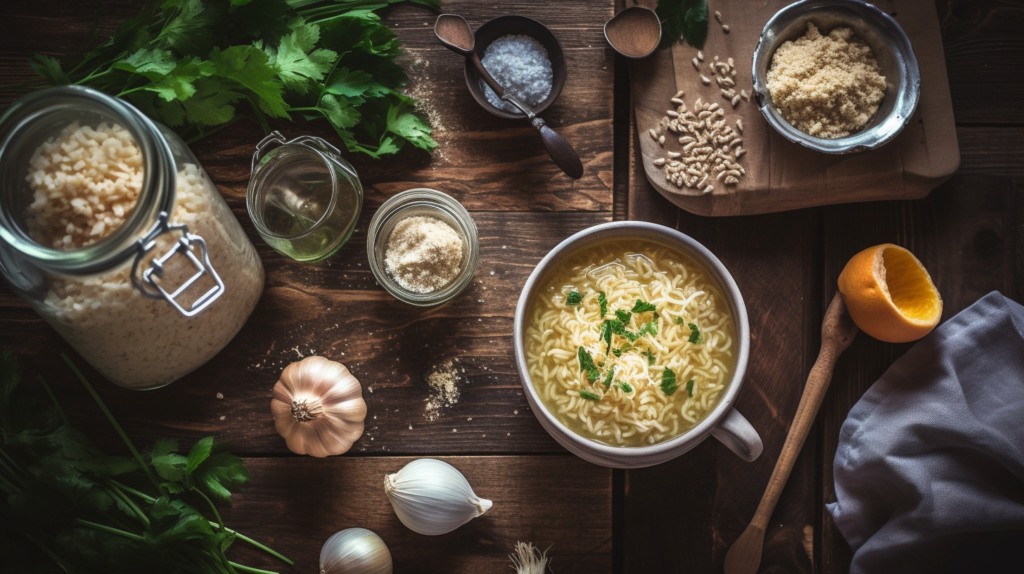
(837,332)
(561,151)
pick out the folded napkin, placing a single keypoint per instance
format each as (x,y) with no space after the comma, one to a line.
(929,471)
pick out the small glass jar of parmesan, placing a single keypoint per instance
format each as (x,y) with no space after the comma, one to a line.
(112,231)
(423,247)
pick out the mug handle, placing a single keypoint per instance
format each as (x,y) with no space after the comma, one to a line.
(738,436)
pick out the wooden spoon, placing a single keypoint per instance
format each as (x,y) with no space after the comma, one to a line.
(635,32)
(454,32)
(837,332)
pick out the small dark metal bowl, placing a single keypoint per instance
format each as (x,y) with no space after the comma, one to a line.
(519,25)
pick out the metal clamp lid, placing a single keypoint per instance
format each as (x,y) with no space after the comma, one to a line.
(277,139)
(186,245)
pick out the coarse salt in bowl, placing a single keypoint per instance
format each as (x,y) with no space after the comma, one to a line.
(513,25)
(422,202)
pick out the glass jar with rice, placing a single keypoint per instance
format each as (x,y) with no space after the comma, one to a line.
(113,232)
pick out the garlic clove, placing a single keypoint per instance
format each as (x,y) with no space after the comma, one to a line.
(432,497)
(355,551)
(318,407)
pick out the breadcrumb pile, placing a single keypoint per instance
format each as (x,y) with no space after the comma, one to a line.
(826,86)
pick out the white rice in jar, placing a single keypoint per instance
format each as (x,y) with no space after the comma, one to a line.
(86,182)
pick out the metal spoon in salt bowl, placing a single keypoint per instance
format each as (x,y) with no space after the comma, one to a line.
(455,33)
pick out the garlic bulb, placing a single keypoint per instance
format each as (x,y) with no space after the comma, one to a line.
(432,497)
(318,407)
(355,551)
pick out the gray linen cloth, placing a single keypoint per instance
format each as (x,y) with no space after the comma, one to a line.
(929,472)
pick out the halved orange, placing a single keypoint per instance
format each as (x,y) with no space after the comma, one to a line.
(890,295)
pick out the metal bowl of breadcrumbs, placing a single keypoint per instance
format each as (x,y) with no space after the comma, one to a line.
(423,247)
(836,76)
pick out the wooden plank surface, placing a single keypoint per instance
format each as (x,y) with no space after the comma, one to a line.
(561,502)
(969,233)
(497,168)
(772,258)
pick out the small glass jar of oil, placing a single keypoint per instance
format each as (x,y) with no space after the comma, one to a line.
(303,197)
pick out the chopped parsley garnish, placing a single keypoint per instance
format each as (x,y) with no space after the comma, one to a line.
(695,336)
(679,320)
(584,394)
(604,303)
(587,365)
(625,387)
(689,387)
(624,316)
(607,329)
(650,357)
(608,379)
(668,382)
(617,352)
(573,298)
(642,306)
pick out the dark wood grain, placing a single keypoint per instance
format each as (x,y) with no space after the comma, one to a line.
(295,504)
(336,310)
(485,162)
(967,234)
(983,42)
(707,497)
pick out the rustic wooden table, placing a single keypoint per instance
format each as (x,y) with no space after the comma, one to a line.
(680,515)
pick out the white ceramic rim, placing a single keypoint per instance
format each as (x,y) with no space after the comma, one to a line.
(633,457)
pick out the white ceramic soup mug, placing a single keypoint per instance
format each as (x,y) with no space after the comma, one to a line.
(724,422)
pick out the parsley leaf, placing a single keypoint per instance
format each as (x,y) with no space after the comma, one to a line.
(573,298)
(695,336)
(296,60)
(668,382)
(679,320)
(624,316)
(49,69)
(590,396)
(683,20)
(642,306)
(604,303)
(617,352)
(587,364)
(689,387)
(650,357)
(606,334)
(608,379)
(625,387)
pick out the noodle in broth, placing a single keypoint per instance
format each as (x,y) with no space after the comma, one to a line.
(620,394)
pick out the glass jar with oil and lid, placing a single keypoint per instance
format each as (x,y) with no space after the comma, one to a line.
(303,197)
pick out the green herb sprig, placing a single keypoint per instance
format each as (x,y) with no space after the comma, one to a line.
(695,337)
(68,507)
(587,364)
(200,65)
(668,381)
(573,298)
(683,20)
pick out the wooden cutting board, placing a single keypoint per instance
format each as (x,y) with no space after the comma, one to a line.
(781,175)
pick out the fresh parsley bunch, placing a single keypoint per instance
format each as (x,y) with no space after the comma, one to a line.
(683,20)
(200,65)
(65,506)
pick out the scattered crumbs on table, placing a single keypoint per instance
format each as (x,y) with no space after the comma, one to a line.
(492,272)
(444,388)
(370,389)
(504,246)
(222,417)
(516,412)
(469,419)
(220,395)
(508,434)
(410,427)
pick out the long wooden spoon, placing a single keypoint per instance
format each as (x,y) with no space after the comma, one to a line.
(837,332)
(454,32)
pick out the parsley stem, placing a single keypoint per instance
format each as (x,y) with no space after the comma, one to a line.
(237,534)
(49,553)
(53,399)
(210,502)
(245,538)
(113,421)
(108,529)
(116,492)
(250,569)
